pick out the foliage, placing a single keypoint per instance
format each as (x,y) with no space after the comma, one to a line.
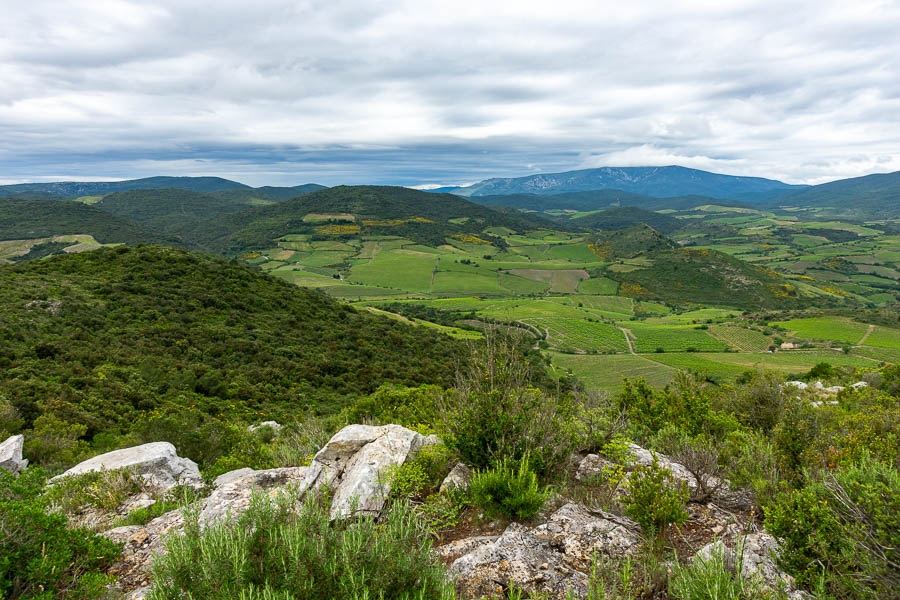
(409,407)
(508,491)
(654,498)
(698,454)
(189,338)
(279,549)
(40,557)
(105,490)
(714,578)
(494,414)
(844,528)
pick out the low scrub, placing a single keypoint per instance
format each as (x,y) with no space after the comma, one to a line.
(283,550)
(41,558)
(508,491)
(655,498)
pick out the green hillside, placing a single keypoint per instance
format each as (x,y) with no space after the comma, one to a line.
(31,219)
(351,211)
(99,340)
(629,242)
(623,217)
(870,197)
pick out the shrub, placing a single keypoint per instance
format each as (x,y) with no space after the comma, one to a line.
(686,404)
(494,414)
(749,461)
(409,407)
(714,578)
(844,529)
(279,549)
(40,557)
(699,455)
(654,498)
(508,491)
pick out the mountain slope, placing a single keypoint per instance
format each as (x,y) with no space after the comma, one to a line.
(626,216)
(652,181)
(356,210)
(873,196)
(74,189)
(596,200)
(99,339)
(31,219)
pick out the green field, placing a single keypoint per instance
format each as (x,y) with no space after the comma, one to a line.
(670,338)
(741,338)
(825,328)
(580,336)
(606,372)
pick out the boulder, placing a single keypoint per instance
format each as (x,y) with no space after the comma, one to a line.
(274,425)
(800,385)
(549,559)
(232,491)
(457,479)
(354,461)
(157,462)
(11,454)
(757,562)
(859,385)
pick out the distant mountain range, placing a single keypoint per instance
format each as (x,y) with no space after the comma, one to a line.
(77,189)
(659,182)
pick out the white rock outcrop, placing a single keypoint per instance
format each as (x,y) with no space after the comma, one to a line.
(757,562)
(11,454)
(458,478)
(550,559)
(354,463)
(274,425)
(157,462)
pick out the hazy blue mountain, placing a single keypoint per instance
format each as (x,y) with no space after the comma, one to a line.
(74,189)
(650,181)
(596,200)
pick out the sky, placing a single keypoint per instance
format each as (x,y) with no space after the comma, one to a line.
(426,93)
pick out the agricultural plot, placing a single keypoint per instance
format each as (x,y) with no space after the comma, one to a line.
(580,336)
(606,372)
(742,338)
(788,363)
(463,283)
(670,338)
(835,329)
(697,363)
(598,285)
(514,310)
(884,337)
(563,281)
(390,269)
(702,315)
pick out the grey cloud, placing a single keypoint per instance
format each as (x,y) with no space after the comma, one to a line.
(429,92)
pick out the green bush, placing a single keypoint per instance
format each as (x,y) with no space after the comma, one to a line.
(40,557)
(407,406)
(844,529)
(654,498)
(715,579)
(686,405)
(283,550)
(494,413)
(508,491)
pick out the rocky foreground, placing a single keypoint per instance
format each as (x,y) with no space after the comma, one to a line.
(552,555)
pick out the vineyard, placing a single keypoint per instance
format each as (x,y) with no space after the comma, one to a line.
(578,336)
(746,340)
(825,328)
(671,338)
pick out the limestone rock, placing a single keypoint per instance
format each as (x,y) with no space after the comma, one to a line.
(353,462)
(859,385)
(157,462)
(550,559)
(233,490)
(757,560)
(11,454)
(274,425)
(458,478)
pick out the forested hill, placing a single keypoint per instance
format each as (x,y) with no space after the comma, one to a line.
(424,217)
(30,219)
(74,189)
(99,339)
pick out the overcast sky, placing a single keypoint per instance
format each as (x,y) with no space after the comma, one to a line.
(445,92)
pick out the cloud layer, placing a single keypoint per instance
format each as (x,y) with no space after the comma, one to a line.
(421,92)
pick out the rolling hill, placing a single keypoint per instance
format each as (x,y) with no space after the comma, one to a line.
(870,197)
(651,181)
(596,200)
(350,211)
(624,217)
(75,189)
(184,330)
(31,219)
